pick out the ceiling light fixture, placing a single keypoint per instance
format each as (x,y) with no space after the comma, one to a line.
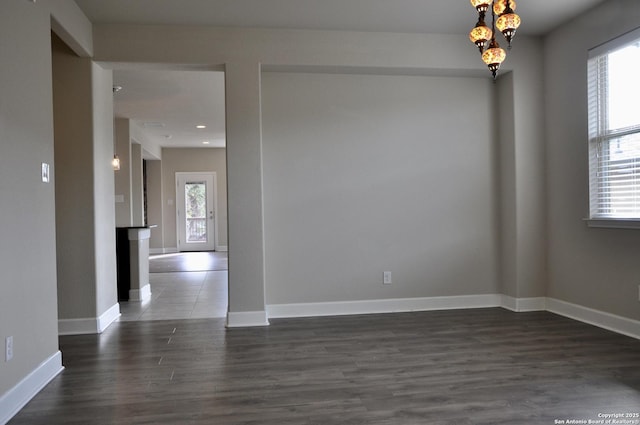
(201,126)
(205,143)
(484,37)
(115,163)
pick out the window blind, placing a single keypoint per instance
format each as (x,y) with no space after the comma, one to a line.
(614,129)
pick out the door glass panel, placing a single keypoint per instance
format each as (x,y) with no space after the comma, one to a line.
(196,211)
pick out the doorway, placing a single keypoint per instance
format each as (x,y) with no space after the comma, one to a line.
(196,211)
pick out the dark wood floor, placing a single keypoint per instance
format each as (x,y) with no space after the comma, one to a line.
(485,366)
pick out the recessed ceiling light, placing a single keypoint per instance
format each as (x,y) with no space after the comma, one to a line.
(205,143)
(201,126)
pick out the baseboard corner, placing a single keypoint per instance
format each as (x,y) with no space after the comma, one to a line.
(601,319)
(140,295)
(244,319)
(17,397)
(521,305)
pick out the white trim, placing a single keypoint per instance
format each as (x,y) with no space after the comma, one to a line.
(138,233)
(598,318)
(180,195)
(613,223)
(383,306)
(140,295)
(222,248)
(243,319)
(17,397)
(611,322)
(524,304)
(108,317)
(615,43)
(89,325)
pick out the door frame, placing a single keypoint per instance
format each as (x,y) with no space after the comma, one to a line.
(214,196)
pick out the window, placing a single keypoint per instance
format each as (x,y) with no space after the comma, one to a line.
(614,128)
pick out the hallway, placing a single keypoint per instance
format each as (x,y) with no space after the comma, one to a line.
(186,294)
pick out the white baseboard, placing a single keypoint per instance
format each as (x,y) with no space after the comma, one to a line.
(108,317)
(611,322)
(243,319)
(598,318)
(222,248)
(398,305)
(140,295)
(17,397)
(524,304)
(89,325)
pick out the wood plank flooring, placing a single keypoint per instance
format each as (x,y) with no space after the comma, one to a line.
(484,366)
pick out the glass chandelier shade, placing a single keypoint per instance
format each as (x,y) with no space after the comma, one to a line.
(508,23)
(480,34)
(504,19)
(499,6)
(481,5)
(494,56)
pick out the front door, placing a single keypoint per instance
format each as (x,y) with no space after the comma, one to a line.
(195,201)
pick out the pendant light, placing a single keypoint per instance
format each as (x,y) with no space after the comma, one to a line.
(484,38)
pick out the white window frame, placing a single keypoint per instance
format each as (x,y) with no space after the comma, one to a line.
(601,214)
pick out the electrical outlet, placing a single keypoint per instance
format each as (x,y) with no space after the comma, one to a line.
(8,348)
(386,278)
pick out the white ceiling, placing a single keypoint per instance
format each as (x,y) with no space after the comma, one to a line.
(168,105)
(429,16)
(180,100)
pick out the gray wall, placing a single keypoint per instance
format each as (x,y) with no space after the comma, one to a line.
(154,205)
(103,190)
(122,177)
(27,223)
(75,248)
(338,52)
(192,160)
(85,218)
(366,173)
(137,186)
(596,268)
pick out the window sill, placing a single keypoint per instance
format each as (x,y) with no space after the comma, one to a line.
(614,223)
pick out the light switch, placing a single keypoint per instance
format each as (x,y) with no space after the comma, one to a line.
(45,172)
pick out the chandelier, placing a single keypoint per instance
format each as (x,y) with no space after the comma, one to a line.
(481,35)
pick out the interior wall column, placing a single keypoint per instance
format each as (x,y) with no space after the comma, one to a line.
(523,208)
(245,196)
(122,177)
(85,222)
(137,187)
(530,169)
(155,206)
